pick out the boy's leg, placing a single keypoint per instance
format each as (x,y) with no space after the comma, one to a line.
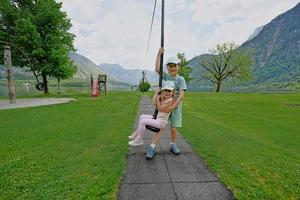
(173,148)
(176,121)
(173,135)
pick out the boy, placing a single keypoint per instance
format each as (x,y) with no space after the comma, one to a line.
(176,116)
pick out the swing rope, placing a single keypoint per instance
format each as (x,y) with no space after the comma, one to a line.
(153,13)
(149,127)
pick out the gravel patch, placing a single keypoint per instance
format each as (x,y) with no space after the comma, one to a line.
(32,102)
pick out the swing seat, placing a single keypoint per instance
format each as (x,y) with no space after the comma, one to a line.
(39,86)
(152,128)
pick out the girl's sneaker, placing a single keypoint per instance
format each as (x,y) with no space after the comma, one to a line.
(132,136)
(136,142)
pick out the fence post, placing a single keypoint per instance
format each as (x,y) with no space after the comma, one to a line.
(10,84)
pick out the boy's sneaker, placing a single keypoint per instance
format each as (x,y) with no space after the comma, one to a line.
(174,149)
(132,136)
(150,153)
(136,142)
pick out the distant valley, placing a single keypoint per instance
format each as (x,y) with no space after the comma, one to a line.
(115,72)
(276,47)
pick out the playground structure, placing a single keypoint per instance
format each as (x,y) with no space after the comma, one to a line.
(98,85)
(102,80)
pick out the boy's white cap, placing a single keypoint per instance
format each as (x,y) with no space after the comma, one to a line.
(168,85)
(173,60)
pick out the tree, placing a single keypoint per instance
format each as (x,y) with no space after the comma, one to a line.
(184,69)
(57,42)
(144,86)
(227,61)
(40,28)
(62,72)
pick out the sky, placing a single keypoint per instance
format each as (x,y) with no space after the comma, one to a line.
(117,31)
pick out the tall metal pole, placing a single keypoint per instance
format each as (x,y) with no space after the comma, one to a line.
(10,84)
(162,42)
(161,67)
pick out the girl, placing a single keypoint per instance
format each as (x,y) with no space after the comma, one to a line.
(164,104)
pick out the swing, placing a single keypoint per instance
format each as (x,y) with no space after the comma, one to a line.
(149,127)
(39,86)
(153,128)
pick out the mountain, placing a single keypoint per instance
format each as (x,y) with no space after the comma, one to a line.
(116,74)
(86,67)
(132,76)
(197,72)
(276,50)
(255,33)
(18,73)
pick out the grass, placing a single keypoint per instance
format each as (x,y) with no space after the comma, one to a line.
(78,150)
(252,141)
(67,151)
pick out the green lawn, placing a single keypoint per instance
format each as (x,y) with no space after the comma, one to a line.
(69,151)
(78,150)
(252,141)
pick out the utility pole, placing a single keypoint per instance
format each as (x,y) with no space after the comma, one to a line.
(10,84)
(144,73)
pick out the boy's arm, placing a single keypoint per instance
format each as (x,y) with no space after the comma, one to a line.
(179,99)
(168,107)
(182,88)
(157,63)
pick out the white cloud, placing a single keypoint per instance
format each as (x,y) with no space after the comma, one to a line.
(117,31)
(236,20)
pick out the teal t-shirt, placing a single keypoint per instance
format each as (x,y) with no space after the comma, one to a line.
(179,81)
(180,84)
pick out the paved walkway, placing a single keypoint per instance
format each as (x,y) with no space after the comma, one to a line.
(167,176)
(30,102)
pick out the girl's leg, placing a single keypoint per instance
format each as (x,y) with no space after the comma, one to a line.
(147,121)
(156,137)
(135,133)
(143,116)
(141,129)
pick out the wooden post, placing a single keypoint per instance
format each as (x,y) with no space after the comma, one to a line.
(10,84)
(92,81)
